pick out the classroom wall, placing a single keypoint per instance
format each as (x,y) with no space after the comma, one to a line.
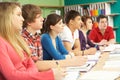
(47,6)
(43,2)
(73,2)
(115,8)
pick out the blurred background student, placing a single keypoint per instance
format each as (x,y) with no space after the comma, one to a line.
(15,59)
(33,22)
(85,42)
(103,34)
(69,35)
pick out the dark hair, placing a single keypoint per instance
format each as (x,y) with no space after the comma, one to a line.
(52,19)
(72,14)
(84,19)
(29,13)
(100,17)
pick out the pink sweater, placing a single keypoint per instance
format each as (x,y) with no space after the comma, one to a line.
(13,68)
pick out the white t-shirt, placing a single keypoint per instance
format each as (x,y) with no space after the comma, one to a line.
(67,35)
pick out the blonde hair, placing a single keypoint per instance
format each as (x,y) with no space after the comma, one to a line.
(7,30)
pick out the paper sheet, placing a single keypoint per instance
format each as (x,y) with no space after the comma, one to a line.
(72,75)
(100,75)
(112,64)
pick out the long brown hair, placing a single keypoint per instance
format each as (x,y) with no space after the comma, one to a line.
(52,19)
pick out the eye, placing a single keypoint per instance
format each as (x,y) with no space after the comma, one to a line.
(19,14)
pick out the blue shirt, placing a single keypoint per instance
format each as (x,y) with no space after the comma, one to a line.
(49,51)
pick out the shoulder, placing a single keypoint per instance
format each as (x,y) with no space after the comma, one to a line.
(66,29)
(109,28)
(3,43)
(95,29)
(80,33)
(44,35)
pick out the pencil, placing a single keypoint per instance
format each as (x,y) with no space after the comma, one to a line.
(58,65)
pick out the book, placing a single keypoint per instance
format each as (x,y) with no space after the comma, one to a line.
(83,68)
(100,75)
(72,75)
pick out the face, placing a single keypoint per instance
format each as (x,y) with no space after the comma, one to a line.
(17,19)
(76,22)
(89,24)
(103,24)
(38,23)
(58,27)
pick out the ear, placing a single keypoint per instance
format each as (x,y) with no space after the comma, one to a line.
(28,23)
(51,26)
(71,21)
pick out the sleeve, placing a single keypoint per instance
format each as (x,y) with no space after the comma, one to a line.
(61,47)
(92,44)
(76,34)
(92,35)
(111,33)
(64,35)
(10,72)
(48,46)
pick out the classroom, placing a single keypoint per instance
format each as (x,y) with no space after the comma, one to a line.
(60,39)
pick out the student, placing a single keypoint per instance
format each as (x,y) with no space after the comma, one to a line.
(52,44)
(103,34)
(69,35)
(15,60)
(86,44)
(33,22)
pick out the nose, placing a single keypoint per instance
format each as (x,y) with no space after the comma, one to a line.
(63,24)
(22,18)
(42,19)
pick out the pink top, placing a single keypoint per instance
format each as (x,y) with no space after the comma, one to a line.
(13,68)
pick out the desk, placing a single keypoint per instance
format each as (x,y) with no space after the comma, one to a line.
(101,63)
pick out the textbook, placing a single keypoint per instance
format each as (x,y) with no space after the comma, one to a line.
(72,75)
(100,75)
(83,68)
(94,57)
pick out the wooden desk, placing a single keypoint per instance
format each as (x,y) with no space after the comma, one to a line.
(101,63)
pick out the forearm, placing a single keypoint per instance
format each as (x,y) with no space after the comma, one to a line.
(46,65)
(112,41)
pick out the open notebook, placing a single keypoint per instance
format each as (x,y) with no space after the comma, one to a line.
(100,75)
(72,75)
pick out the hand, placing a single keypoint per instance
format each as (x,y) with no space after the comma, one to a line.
(91,51)
(103,42)
(77,53)
(59,74)
(78,60)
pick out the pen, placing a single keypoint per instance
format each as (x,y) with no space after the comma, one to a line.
(96,46)
(83,53)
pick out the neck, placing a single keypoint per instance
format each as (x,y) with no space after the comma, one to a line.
(84,28)
(53,35)
(71,27)
(102,31)
(29,29)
